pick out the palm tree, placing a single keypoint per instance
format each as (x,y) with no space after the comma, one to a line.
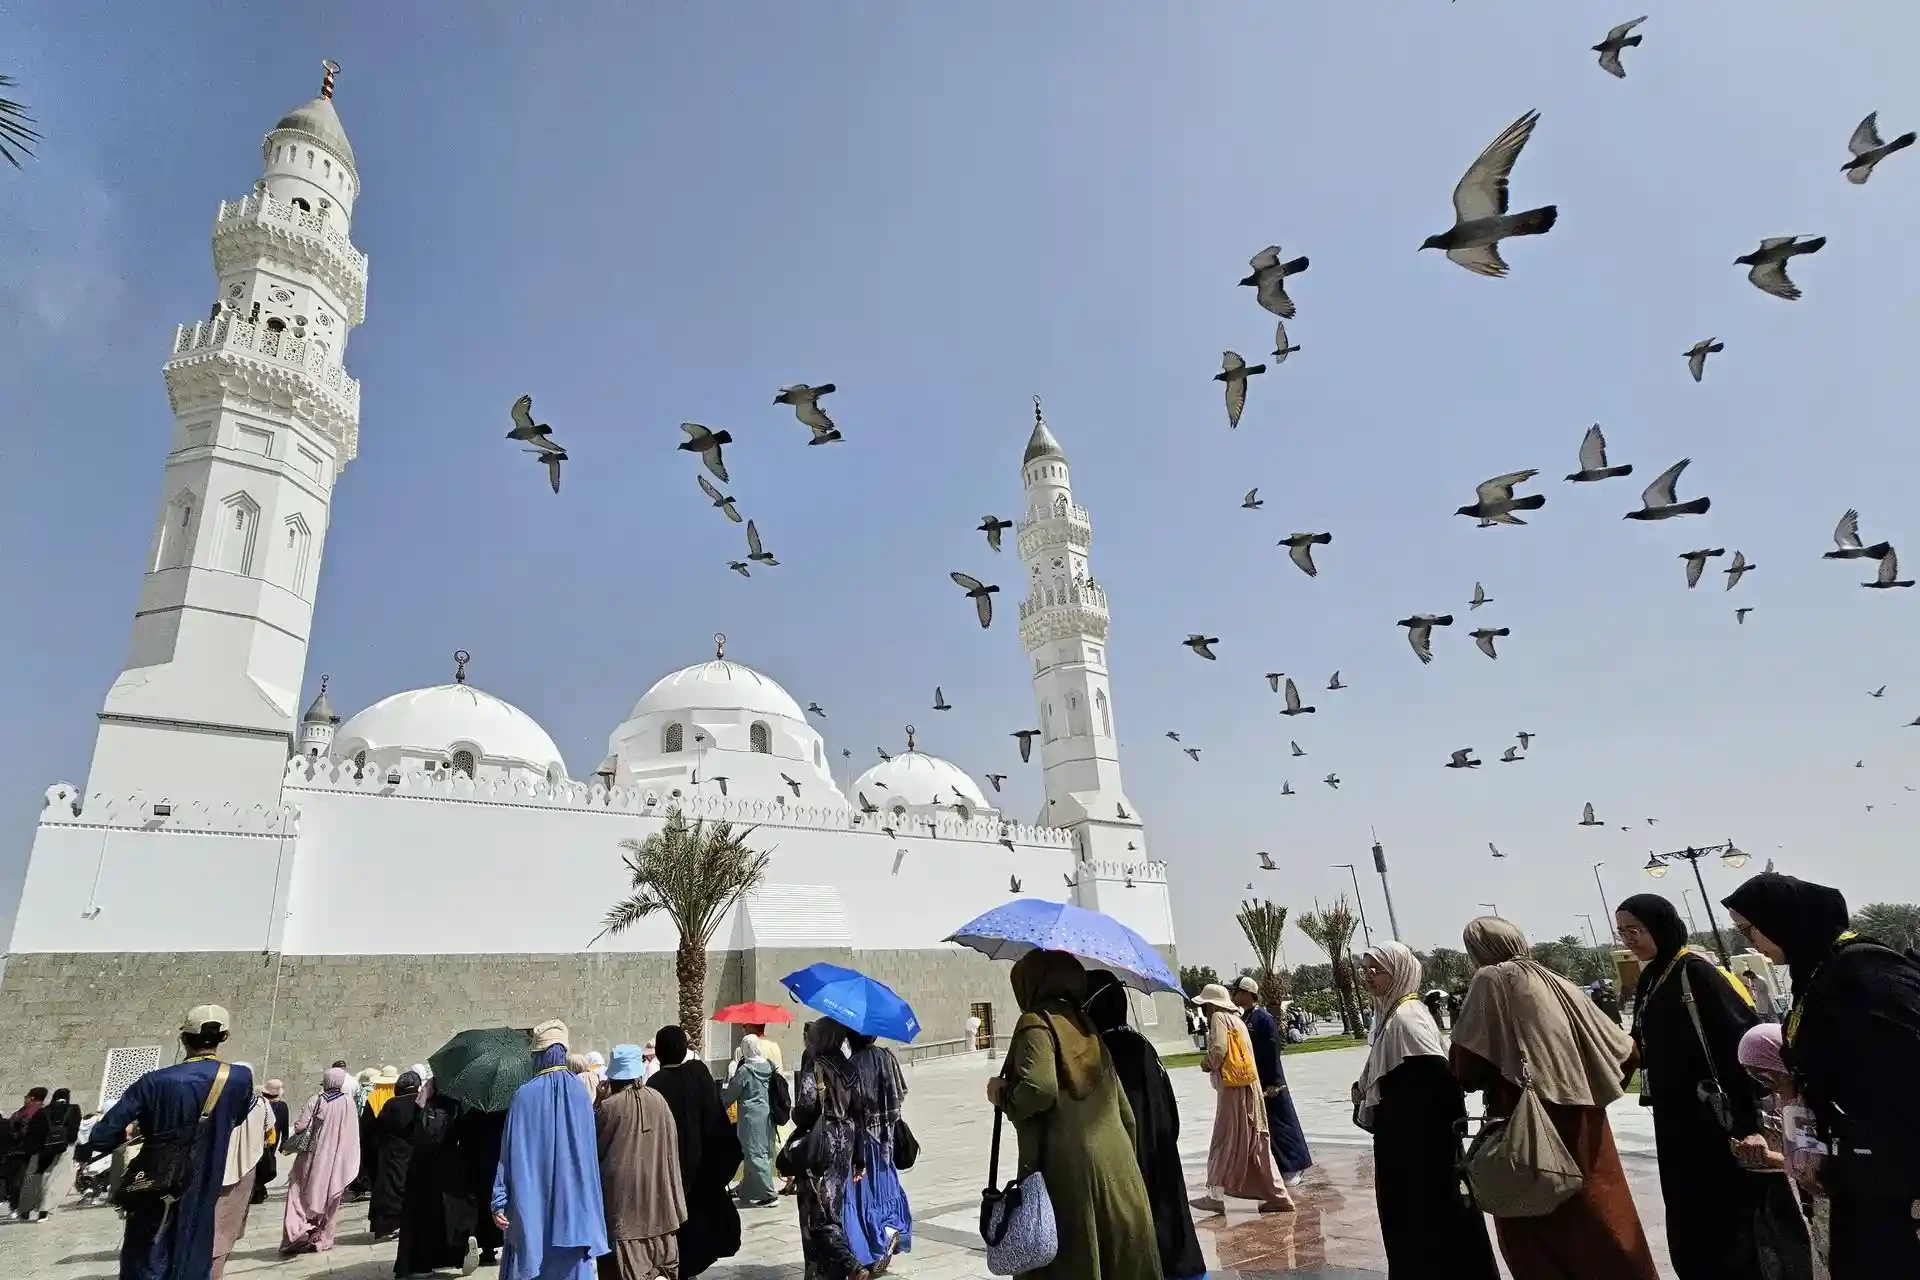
(1331,929)
(695,874)
(16,127)
(1897,924)
(1265,924)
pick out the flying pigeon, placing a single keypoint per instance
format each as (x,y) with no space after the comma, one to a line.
(1868,150)
(883,755)
(1281,348)
(1172,735)
(1269,281)
(1697,563)
(940,702)
(1494,502)
(1294,747)
(815,709)
(791,783)
(1511,756)
(1286,788)
(1881,692)
(1026,737)
(707,444)
(1767,265)
(1335,682)
(1738,569)
(551,455)
(1332,780)
(1462,759)
(1193,753)
(1657,500)
(1588,820)
(1300,550)
(1609,49)
(1480,217)
(1253,502)
(1013,884)
(1293,707)
(806,407)
(1484,637)
(1235,371)
(996,779)
(1267,863)
(866,805)
(755,551)
(1273,680)
(1480,597)
(1005,840)
(1697,356)
(1526,739)
(1859,764)
(1914,723)
(1593,459)
(1072,883)
(1846,541)
(720,499)
(1740,614)
(739,567)
(979,593)
(1200,645)
(1420,632)
(1889,575)
(525,429)
(1122,811)
(721,780)
(993,527)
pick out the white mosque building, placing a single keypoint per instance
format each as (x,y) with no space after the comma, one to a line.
(362,888)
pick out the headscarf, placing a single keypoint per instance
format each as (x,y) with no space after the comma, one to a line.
(578,1064)
(554,1055)
(594,1060)
(751,1050)
(1403,1025)
(1106,1002)
(335,1081)
(1669,934)
(408,1083)
(1519,1011)
(1763,1048)
(670,1046)
(272,1089)
(1049,987)
(1802,918)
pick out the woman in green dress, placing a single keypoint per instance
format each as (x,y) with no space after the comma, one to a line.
(748,1088)
(1074,1125)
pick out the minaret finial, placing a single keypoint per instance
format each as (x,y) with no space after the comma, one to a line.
(323,683)
(460,660)
(1037,419)
(909,739)
(331,69)
(719,646)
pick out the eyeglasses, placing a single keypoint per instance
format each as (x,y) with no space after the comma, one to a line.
(1744,930)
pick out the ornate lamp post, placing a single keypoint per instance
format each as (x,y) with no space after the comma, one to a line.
(1729,854)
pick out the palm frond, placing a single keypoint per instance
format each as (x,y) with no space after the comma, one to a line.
(692,872)
(1264,924)
(17,134)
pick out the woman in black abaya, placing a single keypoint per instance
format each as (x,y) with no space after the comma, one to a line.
(709,1153)
(1852,1040)
(393,1134)
(1156,1125)
(1688,1019)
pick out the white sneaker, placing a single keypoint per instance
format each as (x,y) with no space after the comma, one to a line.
(471,1262)
(1295,1179)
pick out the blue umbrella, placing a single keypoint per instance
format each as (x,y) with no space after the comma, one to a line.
(1099,941)
(854,1000)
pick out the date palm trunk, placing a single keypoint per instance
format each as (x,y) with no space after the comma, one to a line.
(690,970)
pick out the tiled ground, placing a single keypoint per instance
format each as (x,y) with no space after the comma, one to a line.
(1332,1236)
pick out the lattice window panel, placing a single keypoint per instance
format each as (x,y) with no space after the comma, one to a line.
(124,1066)
(1146,1010)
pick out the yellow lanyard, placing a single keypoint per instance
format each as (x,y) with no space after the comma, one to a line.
(1678,956)
(547,1071)
(1800,988)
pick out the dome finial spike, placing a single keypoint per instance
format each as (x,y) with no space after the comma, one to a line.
(909,739)
(1037,419)
(460,660)
(324,677)
(719,646)
(331,69)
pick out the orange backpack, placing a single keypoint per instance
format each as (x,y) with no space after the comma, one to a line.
(1236,1068)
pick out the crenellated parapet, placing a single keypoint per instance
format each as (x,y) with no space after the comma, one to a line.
(260,227)
(1142,872)
(64,806)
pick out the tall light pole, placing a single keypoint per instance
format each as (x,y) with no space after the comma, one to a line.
(1358,900)
(1730,855)
(1591,935)
(1686,905)
(1492,907)
(1606,912)
(1386,890)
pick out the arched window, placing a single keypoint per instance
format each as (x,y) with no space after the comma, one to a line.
(1106,720)
(300,203)
(961,812)
(1046,719)
(760,738)
(299,541)
(899,811)
(463,762)
(359,763)
(672,738)
(819,758)
(276,325)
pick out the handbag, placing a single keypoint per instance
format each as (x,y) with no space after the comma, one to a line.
(807,1152)
(301,1142)
(1016,1221)
(906,1147)
(167,1162)
(1711,1095)
(1517,1166)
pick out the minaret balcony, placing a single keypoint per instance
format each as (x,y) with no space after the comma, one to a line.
(228,355)
(258,226)
(1043,623)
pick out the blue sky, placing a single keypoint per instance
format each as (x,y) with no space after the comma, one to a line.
(645,214)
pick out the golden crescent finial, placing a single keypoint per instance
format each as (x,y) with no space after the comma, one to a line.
(909,738)
(331,69)
(719,646)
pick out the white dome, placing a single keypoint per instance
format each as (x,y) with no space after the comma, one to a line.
(718,686)
(448,715)
(914,779)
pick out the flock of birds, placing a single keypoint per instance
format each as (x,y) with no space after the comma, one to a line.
(1482,223)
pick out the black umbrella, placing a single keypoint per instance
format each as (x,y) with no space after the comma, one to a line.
(482,1068)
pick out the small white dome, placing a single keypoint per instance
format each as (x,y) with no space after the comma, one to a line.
(445,716)
(914,779)
(718,686)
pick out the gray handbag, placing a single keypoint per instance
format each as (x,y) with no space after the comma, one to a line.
(1016,1221)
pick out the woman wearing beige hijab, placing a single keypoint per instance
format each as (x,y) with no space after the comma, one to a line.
(1520,1011)
(1240,1158)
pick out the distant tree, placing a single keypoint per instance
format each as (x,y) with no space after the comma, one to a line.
(1311,978)
(1896,924)
(1571,958)
(1445,968)
(1265,925)
(16,127)
(1331,929)
(1195,976)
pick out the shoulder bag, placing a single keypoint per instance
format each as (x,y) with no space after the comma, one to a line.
(808,1152)
(301,1142)
(1712,1096)
(906,1147)
(167,1162)
(1517,1166)
(1016,1221)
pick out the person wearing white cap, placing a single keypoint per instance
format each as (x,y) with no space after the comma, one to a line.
(1239,1159)
(172,1185)
(546,1189)
(1283,1124)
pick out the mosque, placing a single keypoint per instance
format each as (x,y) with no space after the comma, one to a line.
(229,847)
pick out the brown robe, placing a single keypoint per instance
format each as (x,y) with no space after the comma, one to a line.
(1596,1235)
(640,1184)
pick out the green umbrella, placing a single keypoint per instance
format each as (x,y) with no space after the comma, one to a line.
(482,1068)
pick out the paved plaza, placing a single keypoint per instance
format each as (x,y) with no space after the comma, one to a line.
(1333,1235)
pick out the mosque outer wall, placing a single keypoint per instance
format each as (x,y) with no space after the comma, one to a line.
(61,1012)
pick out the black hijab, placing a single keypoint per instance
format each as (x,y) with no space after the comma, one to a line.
(1802,918)
(1669,935)
(1106,1003)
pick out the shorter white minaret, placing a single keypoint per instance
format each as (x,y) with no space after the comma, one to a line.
(317,725)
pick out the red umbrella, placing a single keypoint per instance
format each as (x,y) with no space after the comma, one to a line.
(753,1014)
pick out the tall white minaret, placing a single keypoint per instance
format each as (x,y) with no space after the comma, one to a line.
(1063,624)
(265,417)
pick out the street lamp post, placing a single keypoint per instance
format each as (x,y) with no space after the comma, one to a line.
(1606,912)
(1386,890)
(1592,937)
(1359,901)
(1493,908)
(1686,905)
(1729,854)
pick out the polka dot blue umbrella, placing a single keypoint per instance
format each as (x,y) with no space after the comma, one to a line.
(1099,941)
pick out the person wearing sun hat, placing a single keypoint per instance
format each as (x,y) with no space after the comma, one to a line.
(1239,1157)
(641,1189)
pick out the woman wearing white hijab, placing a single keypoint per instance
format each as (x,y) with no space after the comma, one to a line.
(1409,1100)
